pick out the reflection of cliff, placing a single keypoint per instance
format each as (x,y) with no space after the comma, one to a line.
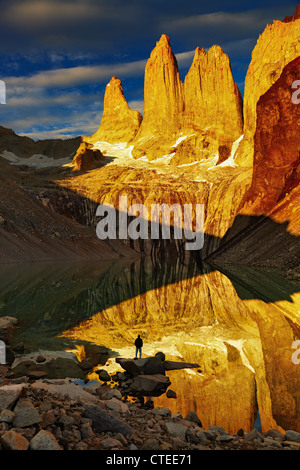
(244,362)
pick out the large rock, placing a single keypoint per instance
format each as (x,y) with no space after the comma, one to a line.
(87,158)
(70,390)
(57,364)
(12,440)
(150,385)
(7,327)
(25,414)
(9,394)
(276,143)
(44,440)
(119,123)
(145,366)
(276,47)
(104,422)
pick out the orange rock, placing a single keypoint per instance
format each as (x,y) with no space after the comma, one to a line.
(276,47)
(119,123)
(206,110)
(86,158)
(276,165)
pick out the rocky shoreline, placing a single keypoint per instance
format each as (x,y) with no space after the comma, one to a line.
(115,414)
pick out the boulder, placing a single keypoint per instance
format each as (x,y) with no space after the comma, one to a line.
(104,422)
(145,366)
(57,364)
(87,158)
(292,436)
(25,414)
(9,394)
(44,440)
(103,375)
(176,430)
(7,328)
(12,440)
(150,385)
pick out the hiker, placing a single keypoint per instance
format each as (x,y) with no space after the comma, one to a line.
(138,345)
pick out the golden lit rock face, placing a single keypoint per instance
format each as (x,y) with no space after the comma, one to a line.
(163,103)
(119,123)
(86,158)
(276,164)
(243,347)
(205,111)
(276,47)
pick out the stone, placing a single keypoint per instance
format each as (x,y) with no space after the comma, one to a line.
(119,123)
(111,443)
(252,435)
(292,435)
(192,416)
(86,158)
(86,431)
(224,438)
(44,440)
(171,394)
(103,375)
(217,429)
(66,421)
(37,374)
(58,364)
(12,440)
(176,430)
(117,405)
(240,432)
(25,414)
(161,411)
(48,418)
(150,385)
(112,393)
(272,443)
(65,389)
(7,416)
(151,444)
(103,422)
(7,329)
(275,434)
(145,366)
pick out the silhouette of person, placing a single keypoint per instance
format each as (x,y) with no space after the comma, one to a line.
(138,346)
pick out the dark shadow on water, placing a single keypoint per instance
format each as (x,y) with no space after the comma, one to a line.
(50,298)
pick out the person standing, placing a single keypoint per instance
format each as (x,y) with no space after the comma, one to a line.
(138,346)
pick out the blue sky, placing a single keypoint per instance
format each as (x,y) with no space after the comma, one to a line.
(58,56)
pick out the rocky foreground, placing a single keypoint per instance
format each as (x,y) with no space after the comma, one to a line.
(117,413)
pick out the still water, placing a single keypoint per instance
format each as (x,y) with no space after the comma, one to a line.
(237,323)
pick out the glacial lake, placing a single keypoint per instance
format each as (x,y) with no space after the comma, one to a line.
(237,323)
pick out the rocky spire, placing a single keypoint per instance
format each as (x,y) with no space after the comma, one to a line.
(163,92)
(212,98)
(119,123)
